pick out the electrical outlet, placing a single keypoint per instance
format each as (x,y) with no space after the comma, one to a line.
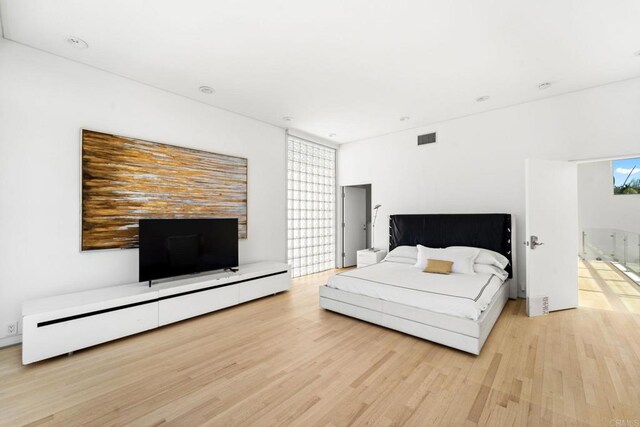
(12,328)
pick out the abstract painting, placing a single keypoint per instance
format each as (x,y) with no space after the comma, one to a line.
(127,179)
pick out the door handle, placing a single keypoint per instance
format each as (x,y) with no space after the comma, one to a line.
(533,242)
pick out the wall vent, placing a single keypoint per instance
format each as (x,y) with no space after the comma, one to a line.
(428,138)
(538,305)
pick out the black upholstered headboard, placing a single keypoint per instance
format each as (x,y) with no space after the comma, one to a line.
(488,231)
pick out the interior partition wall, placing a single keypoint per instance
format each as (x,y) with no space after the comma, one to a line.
(311,206)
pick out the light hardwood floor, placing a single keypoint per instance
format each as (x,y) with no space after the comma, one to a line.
(284,361)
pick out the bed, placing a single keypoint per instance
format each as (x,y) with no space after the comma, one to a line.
(456,310)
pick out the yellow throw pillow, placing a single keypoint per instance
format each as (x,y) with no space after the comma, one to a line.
(438,266)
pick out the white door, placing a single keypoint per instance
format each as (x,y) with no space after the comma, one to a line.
(354,223)
(552,219)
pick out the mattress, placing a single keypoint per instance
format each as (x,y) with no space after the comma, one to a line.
(461,295)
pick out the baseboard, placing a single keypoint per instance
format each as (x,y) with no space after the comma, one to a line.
(12,340)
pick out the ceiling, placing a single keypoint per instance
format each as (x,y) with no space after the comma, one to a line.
(351,68)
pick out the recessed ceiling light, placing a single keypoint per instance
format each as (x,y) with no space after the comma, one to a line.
(77,42)
(206,90)
(286,118)
(545,85)
(404,118)
(332,135)
(482,98)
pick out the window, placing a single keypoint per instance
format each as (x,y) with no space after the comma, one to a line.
(311,206)
(626,176)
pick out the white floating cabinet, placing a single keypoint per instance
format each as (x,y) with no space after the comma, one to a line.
(62,324)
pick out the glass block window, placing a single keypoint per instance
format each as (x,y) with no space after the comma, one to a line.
(311,206)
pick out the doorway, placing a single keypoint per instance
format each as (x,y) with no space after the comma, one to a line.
(609,234)
(356,221)
(586,215)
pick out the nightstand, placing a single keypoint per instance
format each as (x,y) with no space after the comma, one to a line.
(368,257)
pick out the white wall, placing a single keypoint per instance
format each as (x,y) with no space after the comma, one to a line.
(598,207)
(44,102)
(477,165)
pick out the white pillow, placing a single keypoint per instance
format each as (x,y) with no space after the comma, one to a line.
(462,258)
(490,269)
(403,254)
(488,257)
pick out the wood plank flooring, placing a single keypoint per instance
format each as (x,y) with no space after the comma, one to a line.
(282,360)
(603,287)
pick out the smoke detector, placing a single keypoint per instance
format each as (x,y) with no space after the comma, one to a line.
(482,98)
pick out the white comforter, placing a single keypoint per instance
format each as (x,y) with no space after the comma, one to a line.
(462,295)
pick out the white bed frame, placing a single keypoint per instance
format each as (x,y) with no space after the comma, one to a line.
(464,334)
(457,332)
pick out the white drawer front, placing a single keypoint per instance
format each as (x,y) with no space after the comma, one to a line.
(59,338)
(190,305)
(267,286)
(369,257)
(366,258)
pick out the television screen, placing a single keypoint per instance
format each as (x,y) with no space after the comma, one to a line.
(175,247)
(626,176)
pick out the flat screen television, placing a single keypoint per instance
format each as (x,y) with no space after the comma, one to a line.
(176,247)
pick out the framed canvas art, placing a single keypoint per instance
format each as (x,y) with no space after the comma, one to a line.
(127,179)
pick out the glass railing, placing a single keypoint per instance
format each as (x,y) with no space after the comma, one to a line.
(617,246)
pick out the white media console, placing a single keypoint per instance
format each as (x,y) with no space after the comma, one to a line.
(62,324)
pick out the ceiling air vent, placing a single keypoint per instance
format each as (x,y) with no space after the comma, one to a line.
(428,138)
